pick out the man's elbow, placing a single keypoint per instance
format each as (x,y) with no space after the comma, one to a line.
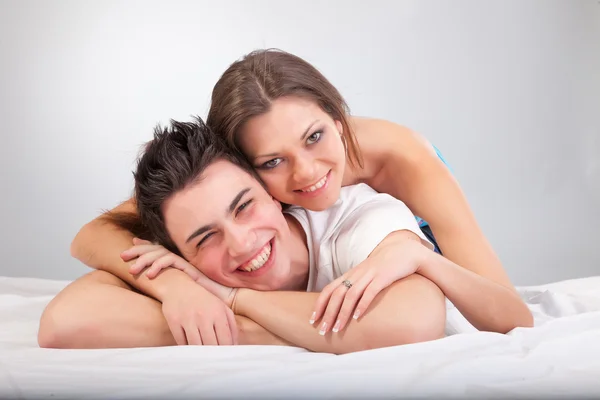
(420,329)
(416,331)
(57,330)
(423,331)
(64,324)
(50,335)
(422,317)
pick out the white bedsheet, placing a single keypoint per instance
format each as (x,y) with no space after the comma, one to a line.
(559,358)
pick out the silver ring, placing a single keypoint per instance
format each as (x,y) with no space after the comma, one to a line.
(347,283)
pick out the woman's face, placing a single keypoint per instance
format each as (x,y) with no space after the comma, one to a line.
(233,231)
(298,151)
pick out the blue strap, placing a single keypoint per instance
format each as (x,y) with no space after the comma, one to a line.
(421,221)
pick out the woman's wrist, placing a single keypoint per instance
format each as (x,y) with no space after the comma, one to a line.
(428,263)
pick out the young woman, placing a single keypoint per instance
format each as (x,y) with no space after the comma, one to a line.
(294,128)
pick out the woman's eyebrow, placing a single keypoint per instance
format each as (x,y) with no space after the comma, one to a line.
(308,129)
(306,132)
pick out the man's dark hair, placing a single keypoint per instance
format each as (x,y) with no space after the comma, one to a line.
(174,159)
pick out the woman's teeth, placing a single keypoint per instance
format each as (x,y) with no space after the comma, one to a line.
(258,261)
(317,185)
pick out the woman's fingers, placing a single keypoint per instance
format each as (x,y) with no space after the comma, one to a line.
(137,250)
(166,261)
(138,241)
(351,299)
(147,259)
(335,304)
(323,299)
(372,290)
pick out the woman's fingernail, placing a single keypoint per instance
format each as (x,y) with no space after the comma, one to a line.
(356,314)
(323,329)
(336,327)
(312,317)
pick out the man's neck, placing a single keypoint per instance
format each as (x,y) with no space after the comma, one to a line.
(299,256)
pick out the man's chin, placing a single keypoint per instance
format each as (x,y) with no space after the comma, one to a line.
(262,286)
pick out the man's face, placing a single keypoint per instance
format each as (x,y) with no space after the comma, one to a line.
(231,229)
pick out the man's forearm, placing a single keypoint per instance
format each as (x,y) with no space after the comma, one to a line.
(410,310)
(99,311)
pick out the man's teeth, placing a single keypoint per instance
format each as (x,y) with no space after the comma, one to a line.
(317,185)
(258,261)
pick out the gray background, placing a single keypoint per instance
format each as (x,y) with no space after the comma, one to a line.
(508,90)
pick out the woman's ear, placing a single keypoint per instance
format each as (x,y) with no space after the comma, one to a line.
(340,127)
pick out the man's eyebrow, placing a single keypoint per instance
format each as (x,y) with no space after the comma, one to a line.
(199,232)
(232,207)
(237,199)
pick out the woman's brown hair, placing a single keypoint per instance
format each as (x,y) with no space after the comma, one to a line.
(249,86)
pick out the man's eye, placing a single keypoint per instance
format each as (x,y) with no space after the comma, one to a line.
(243,206)
(205,238)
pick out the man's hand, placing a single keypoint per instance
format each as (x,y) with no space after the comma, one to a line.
(195,314)
(197,317)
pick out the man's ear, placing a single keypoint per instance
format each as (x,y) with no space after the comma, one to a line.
(278,203)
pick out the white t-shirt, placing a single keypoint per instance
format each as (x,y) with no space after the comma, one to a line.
(344,235)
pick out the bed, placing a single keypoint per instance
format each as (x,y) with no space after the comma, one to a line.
(559,358)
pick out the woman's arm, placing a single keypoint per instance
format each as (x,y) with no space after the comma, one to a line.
(99,245)
(401,163)
(487,305)
(194,315)
(409,311)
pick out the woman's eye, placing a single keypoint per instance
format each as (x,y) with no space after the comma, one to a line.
(314,138)
(272,163)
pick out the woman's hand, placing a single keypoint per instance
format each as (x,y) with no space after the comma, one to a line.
(399,255)
(153,258)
